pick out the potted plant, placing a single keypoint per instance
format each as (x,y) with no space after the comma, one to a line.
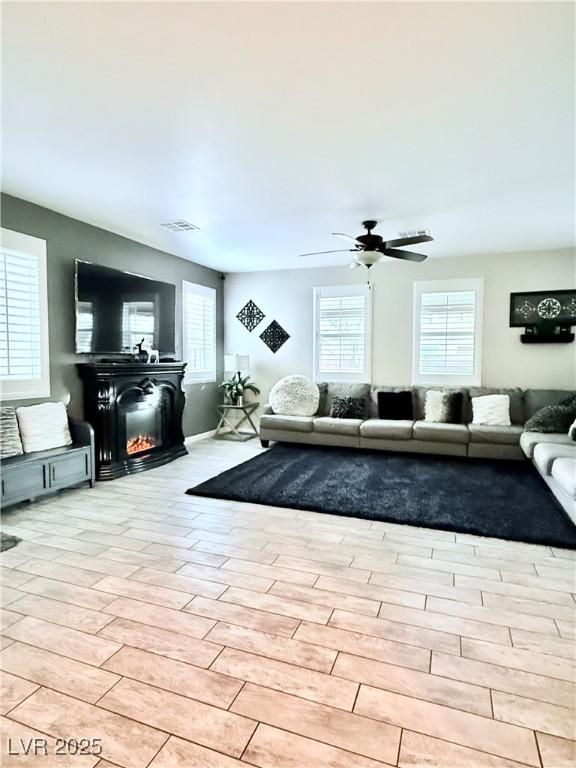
(235,387)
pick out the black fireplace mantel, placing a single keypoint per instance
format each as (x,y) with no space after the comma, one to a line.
(136,412)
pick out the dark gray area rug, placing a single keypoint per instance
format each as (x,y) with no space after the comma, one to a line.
(501,499)
(7,541)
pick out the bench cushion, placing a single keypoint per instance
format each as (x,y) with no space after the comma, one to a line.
(529,440)
(393,429)
(564,472)
(482,433)
(294,423)
(545,454)
(439,432)
(337,426)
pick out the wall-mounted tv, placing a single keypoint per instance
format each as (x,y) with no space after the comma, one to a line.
(115,310)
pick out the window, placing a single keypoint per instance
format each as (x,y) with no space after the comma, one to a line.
(448,332)
(199,331)
(138,322)
(24,361)
(342,324)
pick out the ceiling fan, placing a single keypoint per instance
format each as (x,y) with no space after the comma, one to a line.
(369,249)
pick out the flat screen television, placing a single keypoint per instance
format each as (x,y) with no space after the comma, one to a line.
(115,310)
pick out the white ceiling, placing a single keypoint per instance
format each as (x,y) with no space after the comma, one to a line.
(270,125)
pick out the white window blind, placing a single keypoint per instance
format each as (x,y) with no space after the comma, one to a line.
(199,331)
(448,332)
(24,367)
(342,333)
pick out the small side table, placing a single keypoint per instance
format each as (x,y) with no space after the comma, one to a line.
(227,430)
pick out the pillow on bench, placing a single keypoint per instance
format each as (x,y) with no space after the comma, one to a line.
(43,427)
(10,443)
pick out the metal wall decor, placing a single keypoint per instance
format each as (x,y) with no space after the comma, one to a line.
(546,315)
(250,315)
(274,336)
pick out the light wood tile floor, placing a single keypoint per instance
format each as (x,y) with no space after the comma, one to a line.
(195,633)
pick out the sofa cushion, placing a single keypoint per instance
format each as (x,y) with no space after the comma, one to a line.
(516,401)
(336,389)
(391,429)
(10,443)
(545,454)
(295,423)
(534,399)
(483,433)
(564,472)
(43,426)
(420,402)
(440,433)
(337,426)
(529,440)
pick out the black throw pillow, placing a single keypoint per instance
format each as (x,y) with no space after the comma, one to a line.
(348,408)
(395,405)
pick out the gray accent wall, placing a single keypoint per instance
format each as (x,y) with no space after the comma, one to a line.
(69,239)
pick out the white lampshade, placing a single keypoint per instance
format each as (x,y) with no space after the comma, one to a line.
(233,363)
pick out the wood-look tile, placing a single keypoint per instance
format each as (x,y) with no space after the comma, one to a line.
(296,609)
(482,733)
(345,730)
(228,550)
(420,685)
(223,576)
(111,540)
(567,629)
(177,581)
(67,593)
(555,752)
(396,630)
(273,646)
(8,595)
(274,572)
(501,617)
(180,716)
(155,616)
(178,753)
(13,690)
(53,569)
(428,586)
(516,658)
(559,583)
(62,640)
(514,590)
(273,747)
(156,527)
(66,614)
(72,545)
(186,555)
(326,598)
(163,642)
(323,569)
(12,578)
(532,607)
(287,678)
(15,738)
(141,535)
(445,623)
(166,598)
(8,617)
(407,572)
(330,557)
(176,676)
(546,718)
(436,564)
(529,684)
(372,592)
(245,617)
(125,742)
(98,565)
(419,751)
(57,672)
(141,559)
(364,645)
(532,641)
(518,566)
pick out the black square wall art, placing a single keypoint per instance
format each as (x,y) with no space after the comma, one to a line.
(274,336)
(250,315)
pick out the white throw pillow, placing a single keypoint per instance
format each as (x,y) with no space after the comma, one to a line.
(434,409)
(491,410)
(294,396)
(43,426)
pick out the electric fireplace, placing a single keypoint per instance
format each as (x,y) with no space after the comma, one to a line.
(136,412)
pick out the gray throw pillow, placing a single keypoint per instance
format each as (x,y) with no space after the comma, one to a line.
(552,418)
(348,408)
(10,442)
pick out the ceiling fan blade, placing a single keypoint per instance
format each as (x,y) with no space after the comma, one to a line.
(410,240)
(406,255)
(346,237)
(320,253)
(354,265)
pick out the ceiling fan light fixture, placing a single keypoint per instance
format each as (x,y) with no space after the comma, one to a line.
(367,258)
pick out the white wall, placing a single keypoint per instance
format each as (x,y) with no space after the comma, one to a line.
(286,296)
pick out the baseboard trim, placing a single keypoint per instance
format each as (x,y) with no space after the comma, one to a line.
(201,436)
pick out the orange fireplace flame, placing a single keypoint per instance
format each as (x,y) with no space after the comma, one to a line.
(139,444)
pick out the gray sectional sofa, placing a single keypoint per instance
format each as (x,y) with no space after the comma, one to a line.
(414,436)
(554,456)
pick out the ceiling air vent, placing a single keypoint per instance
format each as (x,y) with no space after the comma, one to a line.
(179,225)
